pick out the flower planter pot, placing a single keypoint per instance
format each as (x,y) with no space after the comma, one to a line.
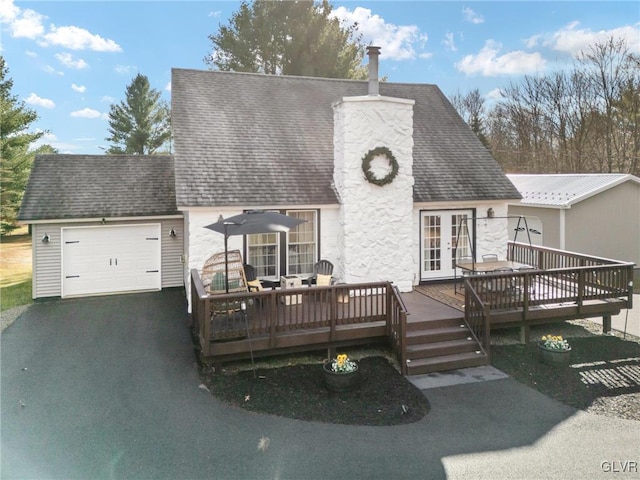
(553,357)
(340,381)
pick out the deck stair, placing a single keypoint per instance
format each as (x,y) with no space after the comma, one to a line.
(441,344)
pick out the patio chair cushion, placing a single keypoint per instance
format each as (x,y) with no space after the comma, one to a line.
(254,285)
(323,280)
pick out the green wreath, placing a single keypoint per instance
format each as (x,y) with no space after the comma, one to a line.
(366,165)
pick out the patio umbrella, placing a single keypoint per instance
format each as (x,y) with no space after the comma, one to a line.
(253,221)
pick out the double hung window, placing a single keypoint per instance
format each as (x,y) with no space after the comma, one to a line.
(291,253)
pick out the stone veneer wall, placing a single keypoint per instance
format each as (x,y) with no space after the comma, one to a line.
(375,241)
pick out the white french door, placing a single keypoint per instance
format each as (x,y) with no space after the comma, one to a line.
(439,239)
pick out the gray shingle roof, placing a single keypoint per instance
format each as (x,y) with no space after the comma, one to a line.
(94,186)
(249,139)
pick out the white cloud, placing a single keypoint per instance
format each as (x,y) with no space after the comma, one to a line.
(107,99)
(29,24)
(86,113)
(489,63)
(449,42)
(50,139)
(425,55)
(167,87)
(124,69)
(51,70)
(8,11)
(471,16)
(68,61)
(398,42)
(31,54)
(76,38)
(215,13)
(495,94)
(78,88)
(34,99)
(571,39)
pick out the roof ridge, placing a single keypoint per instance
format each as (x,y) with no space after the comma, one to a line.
(301,77)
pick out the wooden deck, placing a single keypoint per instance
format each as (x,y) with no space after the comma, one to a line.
(425,334)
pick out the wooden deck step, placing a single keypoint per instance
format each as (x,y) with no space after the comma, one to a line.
(437,349)
(446,362)
(433,335)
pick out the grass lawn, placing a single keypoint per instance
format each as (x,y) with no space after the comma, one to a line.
(15,270)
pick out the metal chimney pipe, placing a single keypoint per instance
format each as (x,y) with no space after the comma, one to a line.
(373,53)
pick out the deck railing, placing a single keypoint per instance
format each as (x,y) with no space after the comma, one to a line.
(267,317)
(398,327)
(477,316)
(557,278)
(545,258)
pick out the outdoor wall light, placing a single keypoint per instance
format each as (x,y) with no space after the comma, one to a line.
(490,213)
(172,233)
(104,220)
(45,238)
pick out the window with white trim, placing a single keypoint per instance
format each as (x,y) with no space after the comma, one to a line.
(302,244)
(292,253)
(263,253)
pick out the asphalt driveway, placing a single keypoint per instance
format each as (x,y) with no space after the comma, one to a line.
(107,387)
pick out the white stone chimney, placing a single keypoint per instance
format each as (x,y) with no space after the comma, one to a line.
(373,53)
(376,235)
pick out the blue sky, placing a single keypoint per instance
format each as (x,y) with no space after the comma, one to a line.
(71,60)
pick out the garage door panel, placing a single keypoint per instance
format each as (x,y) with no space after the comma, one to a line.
(111,259)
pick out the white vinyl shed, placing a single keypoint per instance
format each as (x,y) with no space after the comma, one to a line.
(596,214)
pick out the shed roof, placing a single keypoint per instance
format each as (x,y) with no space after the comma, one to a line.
(251,139)
(95,186)
(564,190)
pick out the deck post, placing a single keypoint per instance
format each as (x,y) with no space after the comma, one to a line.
(606,323)
(206,315)
(273,318)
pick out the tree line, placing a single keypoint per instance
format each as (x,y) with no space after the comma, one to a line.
(585,119)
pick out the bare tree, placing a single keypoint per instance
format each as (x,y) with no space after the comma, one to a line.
(471,108)
(585,119)
(610,70)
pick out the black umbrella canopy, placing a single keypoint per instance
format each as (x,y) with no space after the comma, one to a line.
(255,221)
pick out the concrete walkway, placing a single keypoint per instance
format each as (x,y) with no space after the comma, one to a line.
(108,388)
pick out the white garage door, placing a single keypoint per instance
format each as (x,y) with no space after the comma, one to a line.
(110,259)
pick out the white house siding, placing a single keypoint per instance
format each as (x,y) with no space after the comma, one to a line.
(47,257)
(375,242)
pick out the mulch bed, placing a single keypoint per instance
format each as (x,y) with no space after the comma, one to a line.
(603,375)
(384,397)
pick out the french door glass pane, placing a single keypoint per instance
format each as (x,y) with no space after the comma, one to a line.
(432,239)
(460,233)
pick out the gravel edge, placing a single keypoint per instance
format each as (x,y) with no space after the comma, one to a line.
(8,317)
